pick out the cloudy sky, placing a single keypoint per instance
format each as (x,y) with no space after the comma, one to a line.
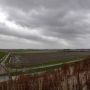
(45,24)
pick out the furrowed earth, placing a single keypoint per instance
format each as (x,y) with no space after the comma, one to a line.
(38,61)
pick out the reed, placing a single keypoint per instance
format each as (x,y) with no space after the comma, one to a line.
(74,76)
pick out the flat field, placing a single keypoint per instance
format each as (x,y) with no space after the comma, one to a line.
(18,60)
(38,61)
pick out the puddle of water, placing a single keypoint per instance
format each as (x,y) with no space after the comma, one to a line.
(4,78)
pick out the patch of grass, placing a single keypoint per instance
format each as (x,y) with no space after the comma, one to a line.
(2,54)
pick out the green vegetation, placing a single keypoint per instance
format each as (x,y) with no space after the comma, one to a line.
(2,54)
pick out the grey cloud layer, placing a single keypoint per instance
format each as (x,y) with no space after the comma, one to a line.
(51,23)
(29,4)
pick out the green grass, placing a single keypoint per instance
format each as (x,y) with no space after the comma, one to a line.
(2,54)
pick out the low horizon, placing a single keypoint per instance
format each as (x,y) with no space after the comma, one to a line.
(44,49)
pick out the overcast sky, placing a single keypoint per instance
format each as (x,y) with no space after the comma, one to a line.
(45,24)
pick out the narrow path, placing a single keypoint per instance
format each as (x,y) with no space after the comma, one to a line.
(3,68)
(4,60)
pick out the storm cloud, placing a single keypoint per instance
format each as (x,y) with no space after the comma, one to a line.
(45,24)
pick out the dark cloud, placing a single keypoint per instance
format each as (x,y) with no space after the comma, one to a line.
(29,4)
(63,23)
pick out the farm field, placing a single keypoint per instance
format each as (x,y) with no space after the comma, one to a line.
(39,67)
(31,62)
(35,59)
